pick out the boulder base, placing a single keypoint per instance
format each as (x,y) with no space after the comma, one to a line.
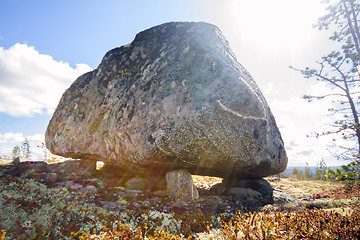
(258,192)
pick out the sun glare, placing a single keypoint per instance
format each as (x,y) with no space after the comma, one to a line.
(269,25)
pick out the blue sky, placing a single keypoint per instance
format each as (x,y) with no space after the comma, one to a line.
(82,31)
(76,32)
(46,45)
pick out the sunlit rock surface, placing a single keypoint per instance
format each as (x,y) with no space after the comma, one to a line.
(173,98)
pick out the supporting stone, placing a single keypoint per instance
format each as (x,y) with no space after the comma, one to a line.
(180,185)
(247,197)
(137,183)
(260,185)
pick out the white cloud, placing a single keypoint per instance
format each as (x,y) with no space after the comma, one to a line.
(9,140)
(270,89)
(297,119)
(31,82)
(301,107)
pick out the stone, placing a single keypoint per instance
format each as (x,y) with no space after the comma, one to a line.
(137,183)
(50,177)
(78,168)
(260,185)
(218,189)
(89,189)
(16,161)
(242,187)
(71,185)
(174,98)
(109,205)
(244,193)
(282,197)
(180,186)
(131,194)
(161,193)
(246,197)
(41,166)
(151,183)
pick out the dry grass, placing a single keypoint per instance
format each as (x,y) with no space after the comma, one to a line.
(297,187)
(305,187)
(4,162)
(205,182)
(316,194)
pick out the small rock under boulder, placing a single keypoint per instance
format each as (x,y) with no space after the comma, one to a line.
(254,192)
(137,183)
(180,186)
(80,168)
(246,197)
(151,183)
(260,185)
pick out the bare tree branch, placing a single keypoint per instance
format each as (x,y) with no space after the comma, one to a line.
(340,69)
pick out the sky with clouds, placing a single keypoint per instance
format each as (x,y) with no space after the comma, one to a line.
(46,45)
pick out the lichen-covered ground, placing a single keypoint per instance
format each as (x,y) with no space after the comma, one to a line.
(95,208)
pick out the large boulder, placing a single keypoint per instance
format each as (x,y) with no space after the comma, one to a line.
(173,98)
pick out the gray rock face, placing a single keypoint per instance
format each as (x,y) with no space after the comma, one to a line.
(174,98)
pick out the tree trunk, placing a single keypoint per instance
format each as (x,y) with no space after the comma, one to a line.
(354,30)
(355,115)
(354,15)
(351,27)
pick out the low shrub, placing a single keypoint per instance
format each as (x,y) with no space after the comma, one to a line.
(32,210)
(350,174)
(304,224)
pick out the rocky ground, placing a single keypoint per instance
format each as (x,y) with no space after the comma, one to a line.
(49,201)
(111,192)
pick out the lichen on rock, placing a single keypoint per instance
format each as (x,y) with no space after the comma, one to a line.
(174,98)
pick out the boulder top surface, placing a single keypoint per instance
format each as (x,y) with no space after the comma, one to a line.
(175,97)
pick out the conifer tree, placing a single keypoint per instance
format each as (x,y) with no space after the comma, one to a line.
(340,69)
(16,152)
(25,149)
